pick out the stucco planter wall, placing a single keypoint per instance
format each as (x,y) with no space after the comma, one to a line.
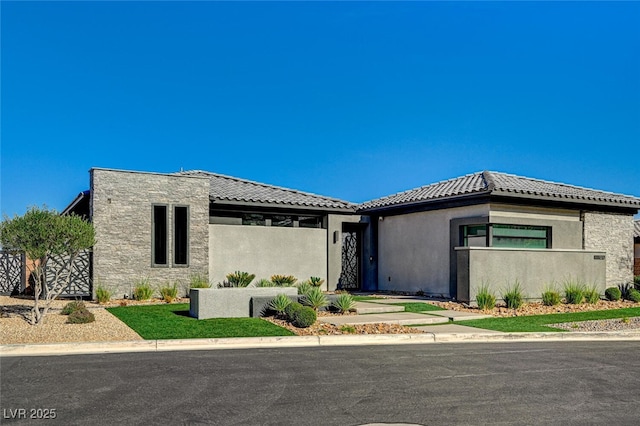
(230,302)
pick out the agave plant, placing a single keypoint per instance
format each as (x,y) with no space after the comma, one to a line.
(304,287)
(283,280)
(344,303)
(238,279)
(263,282)
(316,281)
(315,298)
(280,303)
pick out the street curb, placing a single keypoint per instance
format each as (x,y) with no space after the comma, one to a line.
(43,349)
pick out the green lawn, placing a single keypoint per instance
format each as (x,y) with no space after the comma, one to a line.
(537,323)
(173,322)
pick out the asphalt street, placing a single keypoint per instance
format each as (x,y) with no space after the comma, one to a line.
(472,383)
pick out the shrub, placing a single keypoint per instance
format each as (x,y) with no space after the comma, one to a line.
(304,287)
(283,280)
(81,316)
(103,295)
(315,298)
(304,317)
(513,296)
(636,282)
(290,311)
(142,290)
(199,280)
(485,298)
(279,303)
(613,294)
(348,329)
(551,297)
(344,303)
(634,295)
(573,292)
(168,293)
(71,307)
(592,295)
(316,281)
(238,279)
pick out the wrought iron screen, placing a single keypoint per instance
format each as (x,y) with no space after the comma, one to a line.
(81,272)
(12,272)
(350,275)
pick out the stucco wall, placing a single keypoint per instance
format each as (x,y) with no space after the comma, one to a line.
(121,211)
(612,233)
(414,250)
(267,250)
(534,270)
(566,225)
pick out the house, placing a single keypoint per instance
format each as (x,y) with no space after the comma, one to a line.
(443,239)
(166,227)
(449,238)
(636,248)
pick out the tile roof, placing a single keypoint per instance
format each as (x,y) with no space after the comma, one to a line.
(636,228)
(227,188)
(495,183)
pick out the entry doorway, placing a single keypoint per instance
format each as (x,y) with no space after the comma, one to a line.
(351,274)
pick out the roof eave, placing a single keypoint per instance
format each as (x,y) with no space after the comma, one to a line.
(578,201)
(75,202)
(462,199)
(280,206)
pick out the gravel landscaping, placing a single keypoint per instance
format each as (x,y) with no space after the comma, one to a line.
(14,327)
(619,324)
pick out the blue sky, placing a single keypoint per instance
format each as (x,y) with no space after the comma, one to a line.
(354,100)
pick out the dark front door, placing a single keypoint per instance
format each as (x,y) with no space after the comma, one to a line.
(351,275)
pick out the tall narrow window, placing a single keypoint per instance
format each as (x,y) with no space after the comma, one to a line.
(159,249)
(180,235)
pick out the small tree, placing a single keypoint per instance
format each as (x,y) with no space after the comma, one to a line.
(42,234)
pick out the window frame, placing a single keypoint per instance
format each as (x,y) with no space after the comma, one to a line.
(154,236)
(489,235)
(186,238)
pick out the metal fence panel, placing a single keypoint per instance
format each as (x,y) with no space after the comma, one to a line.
(12,272)
(80,285)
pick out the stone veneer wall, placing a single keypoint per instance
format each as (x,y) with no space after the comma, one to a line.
(121,212)
(613,234)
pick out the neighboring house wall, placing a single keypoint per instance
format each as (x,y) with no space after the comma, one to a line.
(414,250)
(613,234)
(121,212)
(266,250)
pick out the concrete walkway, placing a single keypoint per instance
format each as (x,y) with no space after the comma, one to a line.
(386,311)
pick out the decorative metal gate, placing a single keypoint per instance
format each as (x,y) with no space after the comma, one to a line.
(12,272)
(81,273)
(350,275)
